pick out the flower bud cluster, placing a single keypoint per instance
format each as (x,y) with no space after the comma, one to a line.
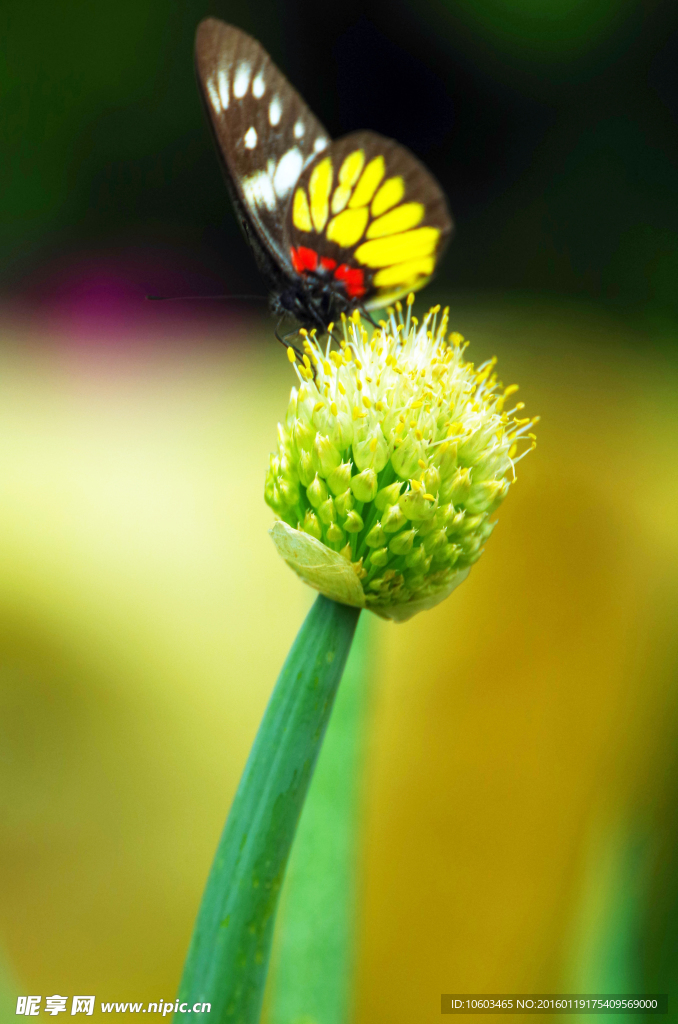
(394,453)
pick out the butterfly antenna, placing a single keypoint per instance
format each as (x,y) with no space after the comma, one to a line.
(201,298)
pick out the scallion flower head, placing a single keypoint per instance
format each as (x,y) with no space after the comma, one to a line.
(393,455)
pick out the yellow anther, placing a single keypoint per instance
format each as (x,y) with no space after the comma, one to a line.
(410,299)
(307,361)
(318,406)
(513,450)
(419,436)
(379,406)
(416,485)
(291,354)
(422,463)
(355,316)
(359,385)
(416,405)
(399,427)
(342,389)
(333,408)
(430,497)
(366,402)
(303,332)
(511,389)
(413,423)
(399,306)
(373,444)
(330,327)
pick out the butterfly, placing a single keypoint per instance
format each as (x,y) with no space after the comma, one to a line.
(357,222)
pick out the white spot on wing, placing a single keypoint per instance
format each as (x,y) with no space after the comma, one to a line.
(258,189)
(259,86)
(320,143)
(241,80)
(223,89)
(299,130)
(275,111)
(250,138)
(214,95)
(288,171)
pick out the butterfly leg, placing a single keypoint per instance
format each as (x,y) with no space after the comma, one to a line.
(368,316)
(282,338)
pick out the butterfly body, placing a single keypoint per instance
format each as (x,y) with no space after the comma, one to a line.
(333,225)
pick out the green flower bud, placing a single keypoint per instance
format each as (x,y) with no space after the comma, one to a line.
(416,504)
(326,456)
(311,526)
(340,478)
(486,496)
(388,495)
(372,452)
(376,537)
(402,542)
(344,502)
(435,539)
(379,557)
(335,534)
(393,519)
(458,488)
(327,513)
(302,436)
(405,458)
(416,559)
(364,485)
(289,490)
(305,468)
(431,480)
(316,492)
(353,522)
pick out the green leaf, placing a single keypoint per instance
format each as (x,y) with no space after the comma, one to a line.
(314,957)
(228,957)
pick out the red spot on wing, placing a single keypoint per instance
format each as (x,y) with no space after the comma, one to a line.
(303,259)
(353,279)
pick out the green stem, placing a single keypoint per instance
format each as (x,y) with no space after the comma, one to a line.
(228,957)
(312,972)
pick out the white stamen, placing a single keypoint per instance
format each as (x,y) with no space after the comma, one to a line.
(241,80)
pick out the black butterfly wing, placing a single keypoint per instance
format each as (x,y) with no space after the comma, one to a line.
(367,215)
(264,131)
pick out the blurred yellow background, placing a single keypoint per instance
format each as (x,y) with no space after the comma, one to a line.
(521,731)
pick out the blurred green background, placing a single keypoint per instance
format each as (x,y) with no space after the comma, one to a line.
(521,789)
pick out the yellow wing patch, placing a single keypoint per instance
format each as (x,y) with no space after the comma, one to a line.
(390,193)
(319,191)
(369,182)
(301,215)
(348,175)
(348,227)
(404,273)
(410,245)
(406,216)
